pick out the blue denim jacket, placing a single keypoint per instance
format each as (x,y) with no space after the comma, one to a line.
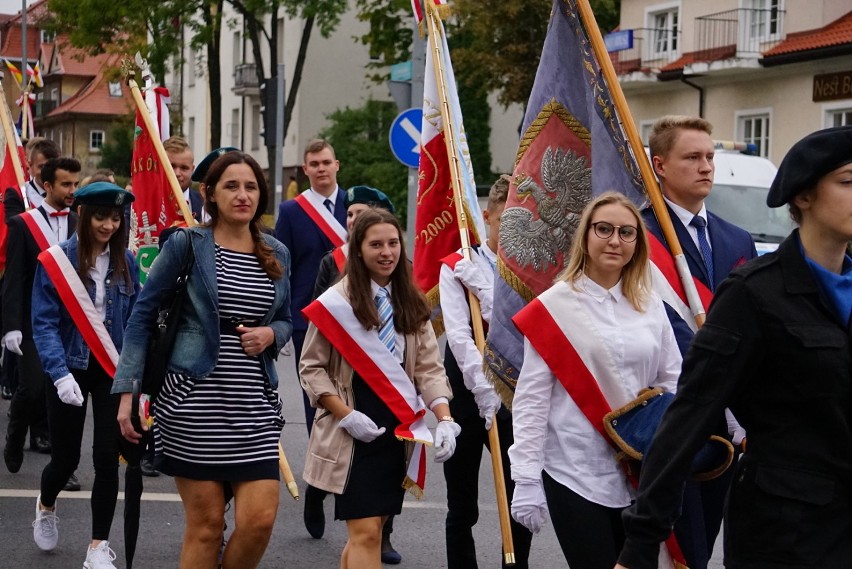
(196,349)
(60,345)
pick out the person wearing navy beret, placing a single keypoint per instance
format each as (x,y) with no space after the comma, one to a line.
(777,350)
(101,282)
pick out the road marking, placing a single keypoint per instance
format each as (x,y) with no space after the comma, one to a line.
(86,495)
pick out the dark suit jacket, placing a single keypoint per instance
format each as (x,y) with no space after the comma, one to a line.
(195,203)
(21,260)
(12,204)
(307,245)
(732,246)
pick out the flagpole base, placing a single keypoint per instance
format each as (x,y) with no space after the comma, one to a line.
(509,558)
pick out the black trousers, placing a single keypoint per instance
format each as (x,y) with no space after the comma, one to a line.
(9,372)
(27,409)
(591,535)
(461,473)
(66,432)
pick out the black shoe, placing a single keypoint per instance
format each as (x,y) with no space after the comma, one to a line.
(389,554)
(40,445)
(314,513)
(146,465)
(73,485)
(6,393)
(13,457)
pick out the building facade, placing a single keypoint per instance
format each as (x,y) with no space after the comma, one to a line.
(761,71)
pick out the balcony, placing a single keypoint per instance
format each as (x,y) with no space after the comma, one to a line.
(653,49)
(245,80)
(742,33)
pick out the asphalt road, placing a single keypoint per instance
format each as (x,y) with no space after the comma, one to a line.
(418,535)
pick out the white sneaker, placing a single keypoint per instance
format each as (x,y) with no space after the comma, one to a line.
(100,557)
(45,530)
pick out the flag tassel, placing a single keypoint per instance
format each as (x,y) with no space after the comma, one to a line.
(433,16)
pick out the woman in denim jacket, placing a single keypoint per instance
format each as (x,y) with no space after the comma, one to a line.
(98,253)
(218,416)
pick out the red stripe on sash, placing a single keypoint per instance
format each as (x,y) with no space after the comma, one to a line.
(451,259)
(661,257)
(315,216)
(339,259)
(337,335)
(35,229)
(72,304)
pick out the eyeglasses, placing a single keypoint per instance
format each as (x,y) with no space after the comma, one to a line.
(626,233)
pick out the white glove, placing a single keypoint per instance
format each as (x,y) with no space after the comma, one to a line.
(737,432)
(477,282)
(69,391)
(12,340)
(445,440)
(488,402)
(529,506)
(361,427)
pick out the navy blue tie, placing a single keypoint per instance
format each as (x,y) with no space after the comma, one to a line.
(700,224)
(329,206)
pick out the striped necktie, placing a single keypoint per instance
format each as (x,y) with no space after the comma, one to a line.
(386,332)
(699,223)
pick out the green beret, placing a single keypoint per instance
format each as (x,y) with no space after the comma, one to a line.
(102,193)
(368,196)
(201,170)
(809,160)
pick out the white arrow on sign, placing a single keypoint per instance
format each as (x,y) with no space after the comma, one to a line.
(413,132)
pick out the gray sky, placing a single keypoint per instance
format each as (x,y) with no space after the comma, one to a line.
(12,6)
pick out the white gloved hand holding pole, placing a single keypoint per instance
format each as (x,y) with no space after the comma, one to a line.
(12,341)
(529,505)
(488,403)
(69,390)
(445,440)
(361,427)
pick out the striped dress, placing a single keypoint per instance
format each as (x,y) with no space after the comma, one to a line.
(212,427)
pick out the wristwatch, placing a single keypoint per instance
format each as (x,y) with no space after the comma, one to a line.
(446,418)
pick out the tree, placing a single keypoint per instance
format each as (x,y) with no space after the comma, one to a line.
(360,136)
(117,151)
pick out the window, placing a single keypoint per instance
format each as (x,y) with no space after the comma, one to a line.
(255,127)
(96,140)
(190,69)
(47,37)
(54,95)
(238,49)
(662,38)
(645,131)
(838,115)
(763,19)
(190,132)
(235,128)
(114,89)
(753,127)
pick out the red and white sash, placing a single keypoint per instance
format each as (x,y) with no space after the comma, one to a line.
(77,301)
(40,229)
(340,254)
(565,336)
(323,219)
(332,314)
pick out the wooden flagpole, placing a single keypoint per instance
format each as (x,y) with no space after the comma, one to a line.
(287,473)
(161,153)
(11,140)
(653,189)
(432,20)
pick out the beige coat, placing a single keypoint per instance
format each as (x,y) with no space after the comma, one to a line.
(323,371)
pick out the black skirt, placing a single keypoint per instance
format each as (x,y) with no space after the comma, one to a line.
(374,487)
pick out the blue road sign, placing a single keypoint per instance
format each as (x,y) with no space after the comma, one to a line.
(404,137)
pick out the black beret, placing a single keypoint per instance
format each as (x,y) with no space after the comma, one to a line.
(809,160)
(102,193)
(369,196)
(201,170)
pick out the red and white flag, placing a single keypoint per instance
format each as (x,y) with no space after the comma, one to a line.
(9,145)
(436,225)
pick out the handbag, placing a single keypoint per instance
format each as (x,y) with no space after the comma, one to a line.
(162,338)
(631,429)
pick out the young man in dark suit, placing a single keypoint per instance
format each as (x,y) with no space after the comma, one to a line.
(308,241)
(60,177)
(183,163)
(682,155)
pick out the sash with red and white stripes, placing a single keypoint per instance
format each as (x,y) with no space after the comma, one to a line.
(77,301)
(565,337)
(332,314)
(339,254)
(323,219)
(670,288)
(39,228)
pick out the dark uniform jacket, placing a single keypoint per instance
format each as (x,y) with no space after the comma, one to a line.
(774,350)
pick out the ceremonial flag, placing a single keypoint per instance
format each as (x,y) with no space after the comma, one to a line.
(28,112)
(16,73)
(154,208)
(436,229)
(35,73)
(572,149)
(8,175)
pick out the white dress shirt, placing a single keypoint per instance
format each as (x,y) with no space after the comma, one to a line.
(553,434)
(58,224)
(319,200)
(456,314)
(399,339)
(98,274)
(35,194)
(685,217)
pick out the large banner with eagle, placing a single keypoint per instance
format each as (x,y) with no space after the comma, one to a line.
(572,148)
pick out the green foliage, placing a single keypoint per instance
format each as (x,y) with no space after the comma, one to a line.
(389,38)
(117,151)
(360,140)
